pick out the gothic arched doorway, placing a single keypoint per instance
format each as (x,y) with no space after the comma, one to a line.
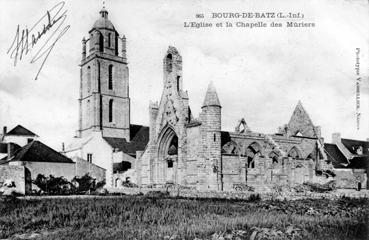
(168,157)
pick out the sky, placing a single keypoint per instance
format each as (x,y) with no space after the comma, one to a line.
(260,74)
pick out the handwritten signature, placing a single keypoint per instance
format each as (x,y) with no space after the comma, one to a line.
(26,39)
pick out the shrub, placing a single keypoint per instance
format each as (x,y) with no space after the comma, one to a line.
(254,198)
(317,187)
(60,186)
(243,187)
(157,194)
(53,185)
(86,183)
(129,185)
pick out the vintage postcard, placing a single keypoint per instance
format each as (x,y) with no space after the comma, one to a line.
(167,100)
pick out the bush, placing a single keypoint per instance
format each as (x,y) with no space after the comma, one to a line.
(317,187)
(53,185)
(254,198)
(129,185)
(157,194)
(86,183)
(243,187)
(60,186)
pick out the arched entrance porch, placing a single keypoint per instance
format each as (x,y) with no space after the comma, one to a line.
(167,164)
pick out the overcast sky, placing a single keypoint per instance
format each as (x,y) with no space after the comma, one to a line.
(260,74)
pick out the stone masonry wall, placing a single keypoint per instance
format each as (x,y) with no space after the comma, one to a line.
(13,173)
(83,167)
(265,173)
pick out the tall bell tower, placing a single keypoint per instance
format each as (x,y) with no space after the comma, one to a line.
(104,103)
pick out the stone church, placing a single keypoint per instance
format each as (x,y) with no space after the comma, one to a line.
(178,147)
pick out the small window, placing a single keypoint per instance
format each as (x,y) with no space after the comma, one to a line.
(169,63)
(111,110)
(88,79)
(109,40)
(110,77)
(170,164)
(101,42)
(29,140)
(178,78)
(89,157)
(250,162)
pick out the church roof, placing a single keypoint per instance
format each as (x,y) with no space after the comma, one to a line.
(36,151)
(139,138)
(103,21)
(19,130)
(211,97)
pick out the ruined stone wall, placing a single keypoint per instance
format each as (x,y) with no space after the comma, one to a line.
(300,123)
(233,170)
(195,167)
(265,173)
(143,168)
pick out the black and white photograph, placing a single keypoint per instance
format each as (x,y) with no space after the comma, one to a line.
(184,119)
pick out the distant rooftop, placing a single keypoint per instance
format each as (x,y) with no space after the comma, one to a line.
(19,130)
(36,151)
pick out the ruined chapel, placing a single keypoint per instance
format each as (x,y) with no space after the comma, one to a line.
(178,147)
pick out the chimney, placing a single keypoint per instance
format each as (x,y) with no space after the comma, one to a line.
(318,131)
(336,137)
(4,130)
(9,150)
(63,147)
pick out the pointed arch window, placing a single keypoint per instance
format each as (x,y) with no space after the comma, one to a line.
(88,79)
(110,77)
(111,110)
(294,153)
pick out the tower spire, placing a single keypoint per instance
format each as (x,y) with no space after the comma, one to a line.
(211,97)
(104,12)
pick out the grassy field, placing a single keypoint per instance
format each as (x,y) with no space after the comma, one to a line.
(140,217)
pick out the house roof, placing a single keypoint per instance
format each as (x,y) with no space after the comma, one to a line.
(19,130)
(36,151)
(335,156)
(339,160)
(139,138)
(352,145)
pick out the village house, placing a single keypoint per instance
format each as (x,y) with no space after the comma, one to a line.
(23,157)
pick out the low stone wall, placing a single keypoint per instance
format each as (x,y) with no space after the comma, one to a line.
(349,178)
(15,174)
(187,193)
